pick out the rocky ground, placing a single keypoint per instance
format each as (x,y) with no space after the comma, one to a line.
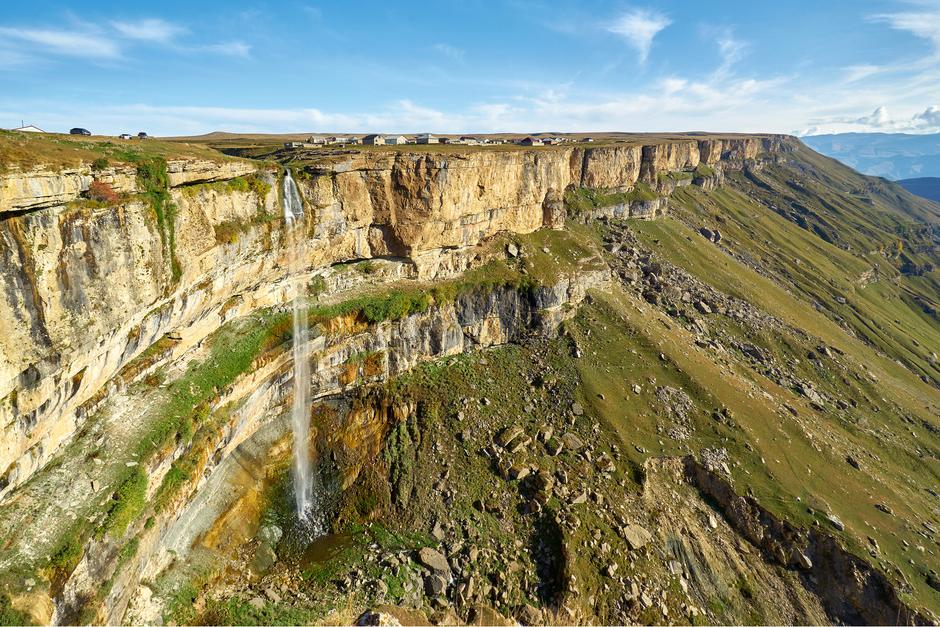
(502,494)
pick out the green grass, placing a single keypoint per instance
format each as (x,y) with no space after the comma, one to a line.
(253,183)
(580,200)
(153,181)
(884,419)
(11,616)
(704,170)
(127,503)
(233,350)
(26,150)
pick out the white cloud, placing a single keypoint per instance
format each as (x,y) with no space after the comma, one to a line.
(855,73)
(924,24)
(929,117)
(62,42)
(151,29)
(457,54)
(639,27)
(878,118)
(231,49)
(730,49)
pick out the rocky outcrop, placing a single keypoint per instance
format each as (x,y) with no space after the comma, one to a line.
(86,289)
(850,589)
(346,353)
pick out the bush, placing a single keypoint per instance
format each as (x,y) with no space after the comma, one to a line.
(102,192)
(99,164)
(127,503)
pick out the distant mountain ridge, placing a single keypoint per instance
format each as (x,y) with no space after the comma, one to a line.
(894,156)
(926,187)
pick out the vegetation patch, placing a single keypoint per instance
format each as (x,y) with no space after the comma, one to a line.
(127,503)
(584,199)
(153,180)
(704,170)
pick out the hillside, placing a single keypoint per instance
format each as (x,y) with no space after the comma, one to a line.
(926,187)
(890,155)
(663,379)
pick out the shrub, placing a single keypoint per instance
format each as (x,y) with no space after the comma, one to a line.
(102,192)
(99,164)
(128,501)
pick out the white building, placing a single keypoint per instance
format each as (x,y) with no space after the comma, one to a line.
(396,140)
(29,128)
(426,138)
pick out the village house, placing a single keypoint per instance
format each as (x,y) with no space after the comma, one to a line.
(396,140)
(530,141)
(293,144)
(28,128)
(374,140)
(426,138)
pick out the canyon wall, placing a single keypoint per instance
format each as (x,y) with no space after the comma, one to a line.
(87,288)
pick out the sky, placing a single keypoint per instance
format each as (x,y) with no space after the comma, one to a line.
(191,67)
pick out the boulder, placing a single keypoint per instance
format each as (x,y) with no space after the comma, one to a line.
(529,615)
(636,536)
(435,585)
(375,617)
(434,560)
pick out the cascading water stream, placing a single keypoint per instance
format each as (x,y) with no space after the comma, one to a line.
(306,483)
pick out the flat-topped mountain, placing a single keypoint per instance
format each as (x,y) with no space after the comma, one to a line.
(650,378)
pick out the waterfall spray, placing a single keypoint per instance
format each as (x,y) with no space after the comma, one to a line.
(306,489)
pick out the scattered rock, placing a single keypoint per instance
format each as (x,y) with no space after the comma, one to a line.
(263,559)
(572,441)
(512,250)
(435,585)
(508,435)
(434,559)
(373,617)
(838,524)
(636,536)
(271,534)
(529,615)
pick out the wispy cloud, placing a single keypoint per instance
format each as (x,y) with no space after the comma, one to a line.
(639,27)
(229,48)
(151,29)
(730,49)
(924,24)
(457,54)
(90,45)
(854,73)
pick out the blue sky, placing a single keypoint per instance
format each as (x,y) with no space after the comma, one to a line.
(191,67)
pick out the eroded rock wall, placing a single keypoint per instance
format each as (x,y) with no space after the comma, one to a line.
(86,290)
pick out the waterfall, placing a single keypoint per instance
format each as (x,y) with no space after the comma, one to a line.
(306,483)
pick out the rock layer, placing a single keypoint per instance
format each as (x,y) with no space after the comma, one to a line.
(86,290)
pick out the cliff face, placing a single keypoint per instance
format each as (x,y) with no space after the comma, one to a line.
(88,288)
(477,320)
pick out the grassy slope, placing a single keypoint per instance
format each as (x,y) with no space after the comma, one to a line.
(896,413)
(26,150)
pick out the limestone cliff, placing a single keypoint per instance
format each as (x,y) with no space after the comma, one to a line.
(87,288)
